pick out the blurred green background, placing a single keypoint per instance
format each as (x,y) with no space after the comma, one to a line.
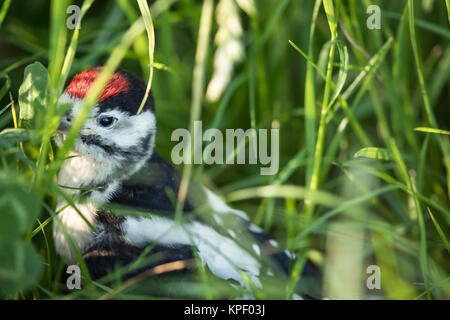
(387,206)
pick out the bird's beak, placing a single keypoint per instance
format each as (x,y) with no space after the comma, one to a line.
(65,123)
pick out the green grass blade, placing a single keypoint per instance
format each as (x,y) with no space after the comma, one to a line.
(445,146)
(331,16)
(198,85)
(423,237)
(437,29)
(310,95)
(374,153)
(439,231)
(316,175)
(432,130)
(447,4)
(4,10)
(70,54)
(343,71)
(151,46)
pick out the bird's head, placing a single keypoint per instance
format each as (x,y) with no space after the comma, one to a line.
(113,134)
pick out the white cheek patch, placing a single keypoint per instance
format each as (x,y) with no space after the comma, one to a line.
(131,135)
(126,133)
(129,130)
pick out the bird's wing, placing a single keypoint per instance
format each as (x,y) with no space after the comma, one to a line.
(153,188)
(104,255)
(227,242)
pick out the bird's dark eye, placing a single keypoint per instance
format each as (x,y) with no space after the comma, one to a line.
(106,121)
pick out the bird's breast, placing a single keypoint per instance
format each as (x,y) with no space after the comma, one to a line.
(71,225)
(77,178)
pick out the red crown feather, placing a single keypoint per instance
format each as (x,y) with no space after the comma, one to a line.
(82,82)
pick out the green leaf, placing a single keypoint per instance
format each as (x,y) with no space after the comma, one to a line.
(374,153)
(20,266)
(14,135)
(33,90)
(426,25)
(146,15)
(432,130)
(343,71)
(19,208)
(331,15)
(7,84)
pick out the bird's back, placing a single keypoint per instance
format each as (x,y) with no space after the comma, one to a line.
(223,238)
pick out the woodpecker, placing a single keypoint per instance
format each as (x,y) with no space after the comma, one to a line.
(123,197)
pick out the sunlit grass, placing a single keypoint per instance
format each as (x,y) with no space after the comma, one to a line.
(363,114)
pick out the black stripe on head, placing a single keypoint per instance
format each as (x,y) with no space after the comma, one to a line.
(145,142)
(96,141)
(133,153)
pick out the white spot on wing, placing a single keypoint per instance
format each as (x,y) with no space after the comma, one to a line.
(256,249)
(296,297)
(255,228)
(289,254)
(218,205)
(273,243)
(218,219)
(231,233)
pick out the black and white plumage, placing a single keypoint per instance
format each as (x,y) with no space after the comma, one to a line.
(114,159)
